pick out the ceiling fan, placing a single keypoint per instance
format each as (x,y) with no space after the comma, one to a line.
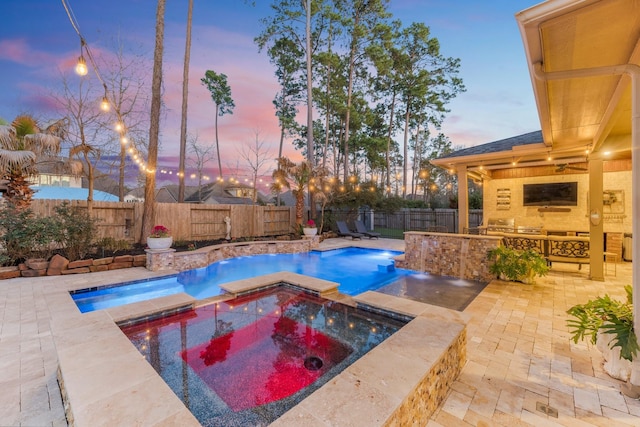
(562,166)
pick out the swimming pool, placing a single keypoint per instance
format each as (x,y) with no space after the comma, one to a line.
(356,270)
(248,360)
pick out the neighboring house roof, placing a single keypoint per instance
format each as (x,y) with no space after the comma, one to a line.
(222,193)
(169,193)
(71,193)
(288,199)
(497,146)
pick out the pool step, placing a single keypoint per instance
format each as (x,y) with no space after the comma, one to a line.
(387,268)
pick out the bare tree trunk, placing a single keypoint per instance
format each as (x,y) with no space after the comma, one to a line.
(393,105)
(123,158)
(148,214)
(218,145)
(405,161)
(310,159)
(185,96)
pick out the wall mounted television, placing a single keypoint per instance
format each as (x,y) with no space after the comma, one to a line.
(550,194)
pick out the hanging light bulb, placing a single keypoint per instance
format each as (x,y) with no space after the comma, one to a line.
(104,105)
(119,127)
(124,140)
(81,66)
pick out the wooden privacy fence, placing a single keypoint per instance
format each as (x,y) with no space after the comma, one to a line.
(123,221)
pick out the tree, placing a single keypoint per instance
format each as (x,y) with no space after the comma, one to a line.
(428,82)
(298,174)
(154,126)
(125,79)
(220,91)
(363,16)
(203,155)
(185,96)
(22,146)
(256,155)
(83,130)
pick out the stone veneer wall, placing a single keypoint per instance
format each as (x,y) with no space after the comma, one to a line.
(171,260)
(455,255)
(433,388)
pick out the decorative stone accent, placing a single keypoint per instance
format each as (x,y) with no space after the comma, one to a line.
(160,259)
(119,265)
(454,255)
(58,263)
(9,272)
(33,273)
(157,260)
(123,258)
(433,388)
(103,261)
(80,263)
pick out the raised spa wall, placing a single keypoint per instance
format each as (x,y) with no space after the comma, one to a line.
(169,259)
(444,254)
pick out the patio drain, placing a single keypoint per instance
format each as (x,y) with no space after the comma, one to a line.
(546,409)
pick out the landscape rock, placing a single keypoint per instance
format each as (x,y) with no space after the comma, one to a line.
(58,262)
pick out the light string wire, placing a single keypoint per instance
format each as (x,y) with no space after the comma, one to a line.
(120,123)
(121,128)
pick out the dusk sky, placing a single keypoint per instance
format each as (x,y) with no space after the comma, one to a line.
(37,41)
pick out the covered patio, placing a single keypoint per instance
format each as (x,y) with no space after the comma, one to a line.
(583,58)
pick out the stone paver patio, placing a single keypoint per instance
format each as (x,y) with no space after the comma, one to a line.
(519,353)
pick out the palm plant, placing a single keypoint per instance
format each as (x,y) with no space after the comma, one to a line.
(300,174)
(21,145)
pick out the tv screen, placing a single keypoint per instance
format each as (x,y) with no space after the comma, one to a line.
(551,194)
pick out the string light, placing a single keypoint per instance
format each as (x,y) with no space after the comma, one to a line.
(104,105)
(81,66)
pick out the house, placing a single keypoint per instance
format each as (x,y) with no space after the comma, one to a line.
(223,193)
(584,64)
(226,193)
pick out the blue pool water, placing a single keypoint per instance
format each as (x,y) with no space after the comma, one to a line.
(356,269)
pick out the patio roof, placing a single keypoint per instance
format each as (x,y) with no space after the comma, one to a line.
(579,54)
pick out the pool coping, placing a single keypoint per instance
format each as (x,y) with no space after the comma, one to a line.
(104,379)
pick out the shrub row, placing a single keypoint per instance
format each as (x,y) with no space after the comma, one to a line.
(24,235)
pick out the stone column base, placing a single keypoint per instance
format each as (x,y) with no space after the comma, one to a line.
(160,259)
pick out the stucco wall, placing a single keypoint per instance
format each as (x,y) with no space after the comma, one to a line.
(576,219)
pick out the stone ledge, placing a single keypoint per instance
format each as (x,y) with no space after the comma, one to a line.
(181,261)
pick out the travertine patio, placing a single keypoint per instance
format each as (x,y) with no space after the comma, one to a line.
(519,354)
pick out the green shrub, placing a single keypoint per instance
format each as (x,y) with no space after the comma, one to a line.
(516,265)
(76,231)
(109,244)
(25,236)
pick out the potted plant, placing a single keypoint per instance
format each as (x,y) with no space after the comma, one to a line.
(608,323)
(310,228)
(516,265)
(160,238)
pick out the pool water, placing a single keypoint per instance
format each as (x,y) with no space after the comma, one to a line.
(356,270)
(247,361)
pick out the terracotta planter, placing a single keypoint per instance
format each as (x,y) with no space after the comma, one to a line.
(310,231)
(159,243)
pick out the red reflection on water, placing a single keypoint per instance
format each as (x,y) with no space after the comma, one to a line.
(263,361)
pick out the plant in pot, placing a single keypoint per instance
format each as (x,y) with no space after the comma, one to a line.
(160,238)
(310,228)
(516,265)
(608,323)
